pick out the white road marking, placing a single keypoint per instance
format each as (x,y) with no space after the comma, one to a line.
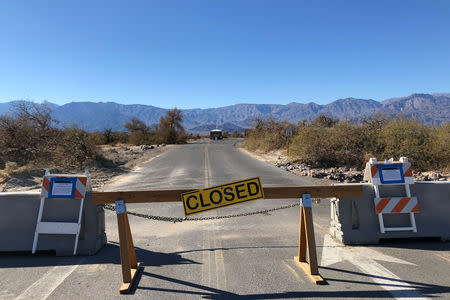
(364,259)
(206,259)
(212,265)
(220,262)
(44,286)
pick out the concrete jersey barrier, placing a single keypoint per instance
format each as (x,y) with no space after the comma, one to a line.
(355,221)
(19,214)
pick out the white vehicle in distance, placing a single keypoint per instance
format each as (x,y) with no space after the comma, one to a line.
(216,134)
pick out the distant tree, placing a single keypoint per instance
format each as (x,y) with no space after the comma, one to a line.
(136,125)
(324,121)
(171,131)
(236,134)
(108,134)
(139,132)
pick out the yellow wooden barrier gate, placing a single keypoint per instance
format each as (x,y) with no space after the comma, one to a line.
(307,247)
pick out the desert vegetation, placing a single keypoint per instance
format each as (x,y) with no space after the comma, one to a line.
(328,142)
(30,139)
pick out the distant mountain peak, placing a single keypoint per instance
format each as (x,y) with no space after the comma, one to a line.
(432,109)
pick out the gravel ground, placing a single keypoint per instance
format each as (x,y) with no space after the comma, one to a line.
(343,175)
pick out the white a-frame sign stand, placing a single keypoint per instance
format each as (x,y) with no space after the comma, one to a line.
(60,186)
(390,172)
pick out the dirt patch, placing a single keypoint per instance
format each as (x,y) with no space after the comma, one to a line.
(117,160)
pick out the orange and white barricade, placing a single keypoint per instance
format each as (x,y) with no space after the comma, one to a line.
(60,186)
(389,172)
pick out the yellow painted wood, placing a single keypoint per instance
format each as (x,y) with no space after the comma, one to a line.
(126,286)
(307,245)
(127,253)
(124,249)
(317,279)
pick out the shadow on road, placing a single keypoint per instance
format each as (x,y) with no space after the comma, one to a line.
(190,288)
(433,244)
(110,254)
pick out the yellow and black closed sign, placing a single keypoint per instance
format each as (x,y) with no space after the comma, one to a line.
(222,195)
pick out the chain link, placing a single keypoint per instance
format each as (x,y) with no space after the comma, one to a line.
(177,219)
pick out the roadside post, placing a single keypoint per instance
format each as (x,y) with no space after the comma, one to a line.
(289,136)
(127,253)
(307,242)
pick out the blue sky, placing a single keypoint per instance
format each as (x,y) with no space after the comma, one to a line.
(199,54)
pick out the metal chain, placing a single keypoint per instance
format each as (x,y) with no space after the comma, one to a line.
(177,219)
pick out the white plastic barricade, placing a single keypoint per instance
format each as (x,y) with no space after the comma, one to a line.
(390,172)
(61,186)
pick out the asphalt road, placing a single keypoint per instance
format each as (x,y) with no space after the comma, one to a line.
(247,257)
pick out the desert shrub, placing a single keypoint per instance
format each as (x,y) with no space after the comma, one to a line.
(311,145)
(194,137)
(76,149)
(9,168)
(439,147)
(236,134)
(98,138)
(324,121)
(371,140)
(403,137)
(346,144)
(30,137)
(328,142)
(267,135)
(119,137)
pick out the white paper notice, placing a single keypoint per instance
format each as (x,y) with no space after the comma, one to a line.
(62,188)
(391,174)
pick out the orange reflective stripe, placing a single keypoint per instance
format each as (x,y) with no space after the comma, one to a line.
(408,172)
(46,184)
(374,170)
(83,180)
(416,208)
(382,204)
(401,205)
(78,195)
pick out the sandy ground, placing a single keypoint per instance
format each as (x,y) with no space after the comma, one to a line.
(118,160)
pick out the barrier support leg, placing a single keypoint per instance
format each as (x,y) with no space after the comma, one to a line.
(127,254)
(307,242)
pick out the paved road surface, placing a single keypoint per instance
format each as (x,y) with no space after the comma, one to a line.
(248,257)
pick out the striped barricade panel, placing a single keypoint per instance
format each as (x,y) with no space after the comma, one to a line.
(396,205)
(78,182)
(405,167)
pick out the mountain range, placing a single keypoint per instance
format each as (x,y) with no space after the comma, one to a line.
(430,109)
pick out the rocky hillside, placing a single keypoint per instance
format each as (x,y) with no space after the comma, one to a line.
(432,109)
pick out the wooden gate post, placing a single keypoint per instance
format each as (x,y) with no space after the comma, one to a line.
(127,254)
(307,242)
